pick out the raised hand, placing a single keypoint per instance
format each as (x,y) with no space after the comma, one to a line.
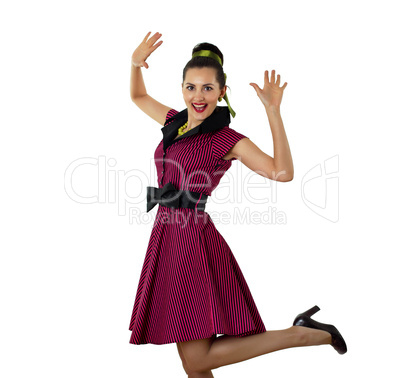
(145,49)
(271,94)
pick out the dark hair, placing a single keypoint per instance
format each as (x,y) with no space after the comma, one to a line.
(204,61)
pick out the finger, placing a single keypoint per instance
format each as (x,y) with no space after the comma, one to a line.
(145,64)
(273,76)
(154,38)
(256,87)
(156,46)
(146,37)
(284,85)
(266,77)
(278,80)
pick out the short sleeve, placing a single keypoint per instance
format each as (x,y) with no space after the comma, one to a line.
(223,140)
(170,114)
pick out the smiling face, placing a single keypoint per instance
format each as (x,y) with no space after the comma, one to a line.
(201,92)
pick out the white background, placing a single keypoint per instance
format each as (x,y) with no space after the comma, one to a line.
(69,270)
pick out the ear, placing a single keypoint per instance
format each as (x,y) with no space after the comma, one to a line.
(223,91)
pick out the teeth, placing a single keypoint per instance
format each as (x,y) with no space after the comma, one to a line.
(199,106)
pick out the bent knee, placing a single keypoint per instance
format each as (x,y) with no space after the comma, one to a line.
(194,364)
(195,355)
(186,368)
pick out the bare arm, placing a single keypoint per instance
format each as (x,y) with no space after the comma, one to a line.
(138,92)
(279,167)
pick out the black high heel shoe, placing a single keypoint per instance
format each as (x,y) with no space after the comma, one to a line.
(304,320)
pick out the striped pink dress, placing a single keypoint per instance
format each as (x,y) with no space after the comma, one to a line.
(191,286)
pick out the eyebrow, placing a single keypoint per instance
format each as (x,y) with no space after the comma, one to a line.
(203,85)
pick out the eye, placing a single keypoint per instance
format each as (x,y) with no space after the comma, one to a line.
(208,88)
(190,87)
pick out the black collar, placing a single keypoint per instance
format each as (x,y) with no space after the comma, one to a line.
(218,119)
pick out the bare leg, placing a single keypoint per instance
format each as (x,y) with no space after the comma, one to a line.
(203,355)
(206,374)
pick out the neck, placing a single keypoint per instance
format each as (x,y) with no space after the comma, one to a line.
(193,123)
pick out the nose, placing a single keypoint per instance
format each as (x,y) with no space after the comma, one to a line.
(198,95)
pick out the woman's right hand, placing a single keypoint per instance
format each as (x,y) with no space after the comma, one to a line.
(145,49)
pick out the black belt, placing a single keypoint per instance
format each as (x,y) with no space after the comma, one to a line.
(171,197)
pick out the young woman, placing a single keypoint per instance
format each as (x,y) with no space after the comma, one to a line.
(191,289)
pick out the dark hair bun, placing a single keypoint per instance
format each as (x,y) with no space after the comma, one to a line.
(208,46)
(205,61)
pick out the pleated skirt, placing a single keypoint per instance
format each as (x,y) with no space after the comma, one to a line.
(191,286)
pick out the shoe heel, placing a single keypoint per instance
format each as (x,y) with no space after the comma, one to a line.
(311,312)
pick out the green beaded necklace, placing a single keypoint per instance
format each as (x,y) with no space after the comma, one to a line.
(181,132)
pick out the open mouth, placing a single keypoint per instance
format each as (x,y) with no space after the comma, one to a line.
(199,108)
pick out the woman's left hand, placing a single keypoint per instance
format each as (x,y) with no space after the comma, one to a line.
(271,94)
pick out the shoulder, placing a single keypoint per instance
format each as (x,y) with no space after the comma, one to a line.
(226,132)
(223,142)
(170,116)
